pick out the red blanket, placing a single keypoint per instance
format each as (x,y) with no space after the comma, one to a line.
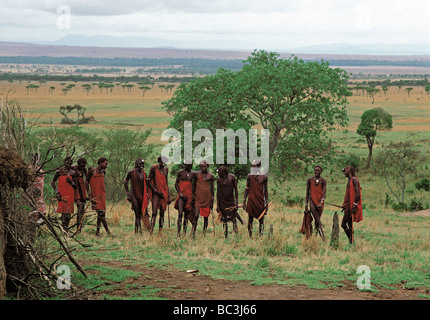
(186,188)
(358,216)
(160,183)
(66,204)
(145,200)
(98,191)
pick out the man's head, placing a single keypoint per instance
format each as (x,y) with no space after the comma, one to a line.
(222,171)
(188,164)
(103,163)
(317,171)
(82,162)
(139,164)
(349,171)
(68,162)
(204,166)
(162,161)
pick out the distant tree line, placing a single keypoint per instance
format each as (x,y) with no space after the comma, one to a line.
(8,76)
(193,63)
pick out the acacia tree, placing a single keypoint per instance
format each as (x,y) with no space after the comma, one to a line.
(371,91)
(373,121)
(297,101)
(395,163)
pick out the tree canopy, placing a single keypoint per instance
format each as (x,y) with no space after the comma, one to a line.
(373,121)
(297,101)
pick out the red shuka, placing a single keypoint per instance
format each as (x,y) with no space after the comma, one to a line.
(205,212)
(255,205)
(145,200)
(186,188)
(98,191)
(316,192)
(161,185)
(358,216)
(66,204)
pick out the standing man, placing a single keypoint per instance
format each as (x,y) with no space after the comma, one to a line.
(158,191)
(352,205)
(81,192)
(65,192)
(227,199)
(96,180)
(138,195)
(203,195)
(316,189)
(256,190)
(184,187)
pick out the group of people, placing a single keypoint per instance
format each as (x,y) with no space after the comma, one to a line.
(316,189)
(195,196)
(75,184)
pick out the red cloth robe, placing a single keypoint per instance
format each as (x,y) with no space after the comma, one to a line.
(67,192)
(186,188)
(203,196)
(358,216)
(255,204)
(98,191)
(160,182)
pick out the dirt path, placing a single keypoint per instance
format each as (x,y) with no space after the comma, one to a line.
(180,285)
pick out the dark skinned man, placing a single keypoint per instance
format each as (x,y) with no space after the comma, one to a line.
(158,191)
(184,187)
(316,189)
(96,180)
(352,205)
(257,194)
(203,195)
(81,192)
(138,195)
(227,199)
(65,192)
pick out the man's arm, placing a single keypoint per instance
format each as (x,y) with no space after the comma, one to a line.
(236,193)
(245,195)
(266,192)
(356,190)
(324,191)
(127,190)
(217,194)
(178,178)
(212,191)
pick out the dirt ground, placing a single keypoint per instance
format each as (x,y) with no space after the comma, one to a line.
(176,284)
(179,285)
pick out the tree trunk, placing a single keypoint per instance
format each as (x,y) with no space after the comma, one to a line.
(370,142)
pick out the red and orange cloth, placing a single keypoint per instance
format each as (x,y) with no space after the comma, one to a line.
(160,182)
(67,193)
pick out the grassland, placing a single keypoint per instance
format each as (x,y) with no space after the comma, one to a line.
(394,246)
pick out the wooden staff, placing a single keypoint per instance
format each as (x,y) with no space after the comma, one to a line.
(264,211)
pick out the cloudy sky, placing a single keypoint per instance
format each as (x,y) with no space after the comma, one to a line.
(235,24)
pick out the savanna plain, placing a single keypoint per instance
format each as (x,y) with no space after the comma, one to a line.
(279,265)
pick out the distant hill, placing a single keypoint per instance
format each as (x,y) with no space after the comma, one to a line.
(13,49)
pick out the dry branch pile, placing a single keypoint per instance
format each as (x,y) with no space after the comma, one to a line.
(30,251)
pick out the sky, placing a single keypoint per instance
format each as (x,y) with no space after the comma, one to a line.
(236,24)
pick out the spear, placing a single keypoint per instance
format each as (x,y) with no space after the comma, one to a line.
(264,211)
